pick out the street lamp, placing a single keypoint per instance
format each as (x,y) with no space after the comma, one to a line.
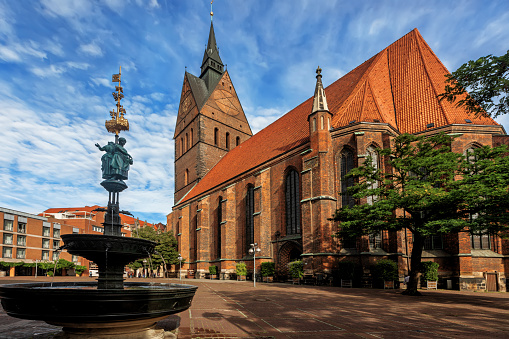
(180,267)
(36,261)
(145,268)
(254,248)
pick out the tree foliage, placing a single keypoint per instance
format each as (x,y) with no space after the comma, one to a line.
(487,82)
(430,191)
(165,250)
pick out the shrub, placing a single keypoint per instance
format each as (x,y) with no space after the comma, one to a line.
(385,270)
(296,269)
(241,268)
(78,269)
(429,270)
(268,269)
(213,270)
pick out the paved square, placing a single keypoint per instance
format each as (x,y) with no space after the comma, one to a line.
(231,309)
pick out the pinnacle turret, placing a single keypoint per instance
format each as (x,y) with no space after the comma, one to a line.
(319,100)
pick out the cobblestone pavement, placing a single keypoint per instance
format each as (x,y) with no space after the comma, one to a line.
(231,309)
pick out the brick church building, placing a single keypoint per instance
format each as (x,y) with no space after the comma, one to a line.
(279,187)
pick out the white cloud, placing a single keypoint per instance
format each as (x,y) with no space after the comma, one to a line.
(101,82)
(67,9)
(91,49)
(8,54)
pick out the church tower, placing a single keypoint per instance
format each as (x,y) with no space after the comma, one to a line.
(210,120)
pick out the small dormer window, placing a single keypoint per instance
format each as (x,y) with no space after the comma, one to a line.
(430,125)
(468,121)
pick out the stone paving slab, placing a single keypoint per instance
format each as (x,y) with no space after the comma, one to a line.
(231,309)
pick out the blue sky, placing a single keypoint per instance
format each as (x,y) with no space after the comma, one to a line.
(57,58)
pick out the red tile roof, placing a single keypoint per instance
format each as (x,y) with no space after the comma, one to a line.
(126,219)
(398,86)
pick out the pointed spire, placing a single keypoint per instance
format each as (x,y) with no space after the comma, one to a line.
(212,67)
(319,101)
(211,51)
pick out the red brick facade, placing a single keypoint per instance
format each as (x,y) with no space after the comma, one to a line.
(394,92)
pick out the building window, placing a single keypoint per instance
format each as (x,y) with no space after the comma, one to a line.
(187,141)
(237,141)
(321,122)
(216,136)
(192,139)
(314,124)
(481,241)
(45,243)
(433,242)
(7,239)
(22,227)
(292,199)
(21,240)
(75,230)
(375,240)
(55,255)
(56,244)
(181,146)
(74,258)
(7,252)
(346,165)
(8,225)
(45,255)
(20,253)
(249,216)
(186,177)
(46,231)
(56,233)
(219,225)
(373,155)
(227,140)
(98,229)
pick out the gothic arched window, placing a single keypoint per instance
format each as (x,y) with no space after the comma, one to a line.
(216,136)
(227,140)
(292,199)
(237,141)
(249,216)
(219,225)
(346,165)
(373,155)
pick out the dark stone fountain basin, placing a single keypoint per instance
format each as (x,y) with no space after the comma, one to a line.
(67,303)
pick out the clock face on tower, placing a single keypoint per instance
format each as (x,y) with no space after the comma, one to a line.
(185,105)
(226,101)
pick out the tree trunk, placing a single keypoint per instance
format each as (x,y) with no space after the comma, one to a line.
(415,261)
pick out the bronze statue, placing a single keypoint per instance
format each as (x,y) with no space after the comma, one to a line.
(115,162)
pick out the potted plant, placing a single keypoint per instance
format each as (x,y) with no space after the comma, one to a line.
(296,269)
(213,272)
(268,269)
(79,269)
(385,272)
(429,270)
(241,270)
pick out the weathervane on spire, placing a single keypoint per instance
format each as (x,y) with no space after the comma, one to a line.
(118,122)
(211,13)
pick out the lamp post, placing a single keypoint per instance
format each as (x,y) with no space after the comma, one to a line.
(254,248)
(36,261)
(145,268)
(180,267)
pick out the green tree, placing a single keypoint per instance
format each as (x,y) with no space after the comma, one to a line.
(487,82)
(166,248)
(417,192)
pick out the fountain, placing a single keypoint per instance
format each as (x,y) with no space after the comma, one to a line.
(110,307)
